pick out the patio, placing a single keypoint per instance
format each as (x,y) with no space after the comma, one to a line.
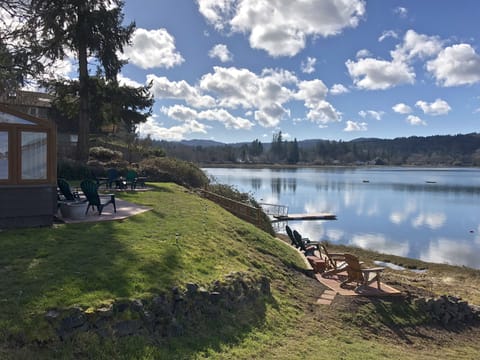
(125,209)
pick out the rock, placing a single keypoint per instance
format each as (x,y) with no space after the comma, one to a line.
(136,305)
(106,311)
(52,315)
(127,327)
(192,288)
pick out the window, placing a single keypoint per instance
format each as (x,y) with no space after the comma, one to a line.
(3,155)
(34,155)
(12,119)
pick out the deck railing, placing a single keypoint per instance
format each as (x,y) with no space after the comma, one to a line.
(274,209)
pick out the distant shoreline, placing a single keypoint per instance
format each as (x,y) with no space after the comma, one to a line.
(296,166)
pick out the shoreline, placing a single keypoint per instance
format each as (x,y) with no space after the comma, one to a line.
(313,166)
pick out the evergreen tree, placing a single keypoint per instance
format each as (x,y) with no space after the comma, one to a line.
(293,154)
(88,28)
(20,55)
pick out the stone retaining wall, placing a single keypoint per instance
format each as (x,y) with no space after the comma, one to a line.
(165,315)
(450,310)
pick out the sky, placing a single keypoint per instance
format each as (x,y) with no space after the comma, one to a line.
(240,70)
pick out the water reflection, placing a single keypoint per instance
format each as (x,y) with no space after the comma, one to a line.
(380,243)
(433,221)
(256,183)
(451,251)
(396,212)
(279,185)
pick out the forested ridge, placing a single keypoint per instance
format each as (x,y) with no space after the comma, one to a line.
(438,150)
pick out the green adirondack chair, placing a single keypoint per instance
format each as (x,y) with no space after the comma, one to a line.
(131,179)
(66,191)
(90,189)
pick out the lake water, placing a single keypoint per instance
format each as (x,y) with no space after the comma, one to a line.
(422,213)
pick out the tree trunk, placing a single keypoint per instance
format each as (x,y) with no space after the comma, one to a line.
(84,113)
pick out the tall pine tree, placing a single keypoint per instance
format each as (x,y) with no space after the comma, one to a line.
(89,28)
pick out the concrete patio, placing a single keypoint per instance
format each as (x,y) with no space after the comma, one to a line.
(125,209)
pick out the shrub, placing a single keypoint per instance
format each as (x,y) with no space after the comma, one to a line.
(103,154)
(174,170)
(72,170)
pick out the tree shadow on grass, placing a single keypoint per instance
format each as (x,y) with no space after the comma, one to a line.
(84,264)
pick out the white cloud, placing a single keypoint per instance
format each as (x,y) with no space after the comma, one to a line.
(157,131)
(152,49)
(308,66)
(217,12)
(261,96)
(185,114)
(415,120)
(356,126)
(388,34)
(438,107)
(180,112)
(374,74)
(363,53)
(265,93)
(227,119)
(221,52)
(163,88)
(416,45)
(313,94)
(402,108)
(377,74)
(456,65)
(338,89)
(324,113)
(377,115)
(282,27)
(122,80)
(401,11)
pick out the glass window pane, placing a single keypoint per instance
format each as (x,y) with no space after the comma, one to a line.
(34,155)
(12,119)
(3,155)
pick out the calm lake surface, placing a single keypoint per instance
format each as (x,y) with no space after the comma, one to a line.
(428,214)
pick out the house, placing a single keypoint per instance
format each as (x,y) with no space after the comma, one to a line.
(28,167)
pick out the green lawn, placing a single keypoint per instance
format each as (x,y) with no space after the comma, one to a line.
(185,238)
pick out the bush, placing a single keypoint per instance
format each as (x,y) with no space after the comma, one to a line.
(232,193)
(103,154)
(173,170)
(72,170)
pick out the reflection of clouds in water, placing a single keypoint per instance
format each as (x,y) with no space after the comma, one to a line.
(373,209)
(363,204)
(320,206)
(398,217)
(348,198)
(477,236)
(313,230)
(433,220)
(379,243)
(335,234)
(450,251)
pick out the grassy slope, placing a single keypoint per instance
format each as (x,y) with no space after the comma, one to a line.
(92,264)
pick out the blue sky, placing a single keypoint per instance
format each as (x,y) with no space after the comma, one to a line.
(239,70)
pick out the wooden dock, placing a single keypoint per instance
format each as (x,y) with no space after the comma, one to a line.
(318,216)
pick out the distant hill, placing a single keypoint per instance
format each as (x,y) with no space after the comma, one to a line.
(437,150)
(200,142)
